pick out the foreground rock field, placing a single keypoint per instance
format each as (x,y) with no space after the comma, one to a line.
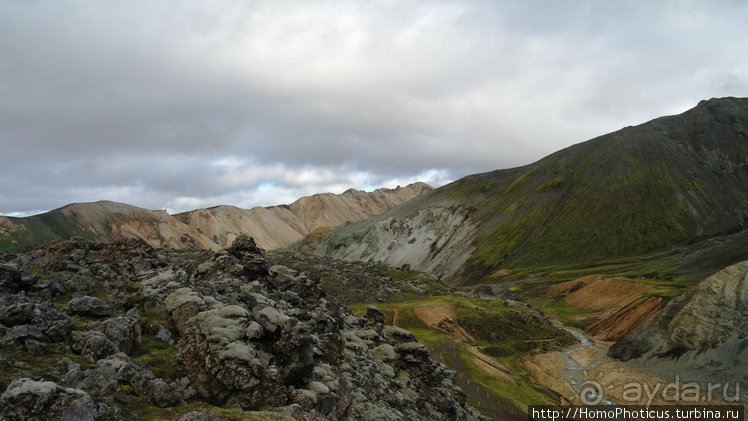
(124,331)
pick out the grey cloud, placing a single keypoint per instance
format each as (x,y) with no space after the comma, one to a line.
(138,101)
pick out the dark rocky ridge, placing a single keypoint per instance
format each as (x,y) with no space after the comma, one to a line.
(115,331)
(361,282)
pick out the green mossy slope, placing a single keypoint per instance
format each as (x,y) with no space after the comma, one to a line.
(670,183)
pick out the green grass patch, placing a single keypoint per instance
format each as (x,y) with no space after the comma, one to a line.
(40,365)
(552,184)
(508,349)
(162,359)
(505,330)
(519,395)
(570,315)
(665,291)
(140,409)
(429,337)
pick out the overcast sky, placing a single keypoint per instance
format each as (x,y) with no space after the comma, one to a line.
(181,105)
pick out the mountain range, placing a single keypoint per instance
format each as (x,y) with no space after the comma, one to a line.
(646,226)
(667,198)
(210,229)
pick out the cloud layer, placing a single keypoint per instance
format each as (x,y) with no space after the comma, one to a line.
(179,106)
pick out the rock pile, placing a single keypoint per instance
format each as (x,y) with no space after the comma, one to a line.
(92,331)
(361,282)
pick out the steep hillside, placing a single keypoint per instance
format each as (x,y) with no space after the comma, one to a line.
(276,226)
(208,229)
(646,194)
(270,227)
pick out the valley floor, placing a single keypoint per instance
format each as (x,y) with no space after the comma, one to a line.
(593,372)
(510,354)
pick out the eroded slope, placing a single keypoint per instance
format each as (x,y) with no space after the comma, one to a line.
(701,334)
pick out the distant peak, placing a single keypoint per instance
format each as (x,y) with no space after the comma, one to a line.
(418,185)
(728,101)
(722,99)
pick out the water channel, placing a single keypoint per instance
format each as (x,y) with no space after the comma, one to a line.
(589,390)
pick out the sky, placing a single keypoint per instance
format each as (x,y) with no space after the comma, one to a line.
(184,105)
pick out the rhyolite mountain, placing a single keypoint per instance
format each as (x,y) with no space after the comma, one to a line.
(665,196)
(209,229)
(276,226)
(103,221)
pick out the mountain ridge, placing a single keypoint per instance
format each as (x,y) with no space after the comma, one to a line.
(272,226)
(641,190)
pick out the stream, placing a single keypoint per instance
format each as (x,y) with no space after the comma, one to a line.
(589,390)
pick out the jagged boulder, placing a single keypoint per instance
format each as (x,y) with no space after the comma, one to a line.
(13,281)
(90,306)
(125,333)
(105,379)
(93,343)
(17,310)
(27,399)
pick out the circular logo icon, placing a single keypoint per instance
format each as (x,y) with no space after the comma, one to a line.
(591,392)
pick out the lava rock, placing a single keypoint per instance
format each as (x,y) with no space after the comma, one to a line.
(90,306)
(125,333)
(27,399)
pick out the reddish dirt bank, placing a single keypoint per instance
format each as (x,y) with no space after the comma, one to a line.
(617,305)
(441,318)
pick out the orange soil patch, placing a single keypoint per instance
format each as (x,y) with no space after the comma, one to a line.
(499,274)
(618,306)
(432,315)
(313,238)
(606,294)
(626,319)
(568,287)
(441,318)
